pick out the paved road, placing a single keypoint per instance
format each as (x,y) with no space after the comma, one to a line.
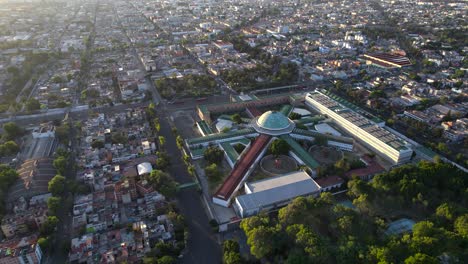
(63,232)
(202,245)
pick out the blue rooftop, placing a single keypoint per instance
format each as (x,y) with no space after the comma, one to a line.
(273,120)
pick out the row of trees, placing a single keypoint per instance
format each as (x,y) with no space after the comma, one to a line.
(190,85)
(19,77)
(162,252)
(8,177)
(261,76)
(8,145)
(318,230)
(11,131)
(8,148)
(271,72)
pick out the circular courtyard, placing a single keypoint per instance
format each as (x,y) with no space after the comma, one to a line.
(278,165)
(325,155)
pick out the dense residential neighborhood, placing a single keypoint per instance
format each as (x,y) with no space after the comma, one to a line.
(233,131)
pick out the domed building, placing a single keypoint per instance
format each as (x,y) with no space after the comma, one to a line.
(259,131)
(273,123)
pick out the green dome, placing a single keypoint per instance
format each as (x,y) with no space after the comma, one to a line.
(273,120)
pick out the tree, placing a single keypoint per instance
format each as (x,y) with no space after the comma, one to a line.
(163,161)
(97,144)
(279,147)
(239,147)
(236,118)
(44,243)
(60,164)
(57,79)
(63,132)
(13,70)
(162,140)
(230,246)
(166,260)
(57,185)
(157,125)
(447,117)
(32,104)
(442,147)
(166,249)
(49,225)
(8,176)
(119,138)
(212,171)
(297,234)
(342,166)
(150,260)
(310,242)
(10,148)
(53,204)
(180,142)
(377,94)
(232,258)
(420,258)
(259,240)
(191,170)
(213,154)
(447,212)
(414,76)
(162,183)
(295,116)
(461,225)
(12,130)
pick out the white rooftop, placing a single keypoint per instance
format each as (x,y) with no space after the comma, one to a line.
(222,124)
(275,190)
(325,128)
(245,97)
(301,111)
(144,168)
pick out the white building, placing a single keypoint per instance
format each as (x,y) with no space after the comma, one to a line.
(44,131)
(370,133)
(274,192)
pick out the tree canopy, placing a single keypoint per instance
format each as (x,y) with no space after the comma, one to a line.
(49,225)
(162,183)
(236,118)
(8,177)
(162,162)
(318,230)
(279,147)
(53,204)
(213,154)
(57,185)
(212,171)
(32,104)
(12,130)
(60,164)
(9,148)
(231,253)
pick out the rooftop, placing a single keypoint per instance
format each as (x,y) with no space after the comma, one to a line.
(241,167)
(277,189)
(273,120)
(301,152)
(273,123)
